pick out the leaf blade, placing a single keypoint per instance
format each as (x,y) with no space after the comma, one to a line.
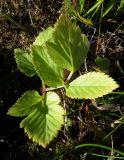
(25,104)
(42,125)
(70,47)
(47,70)
(91,85)
(43,36)
(24,62)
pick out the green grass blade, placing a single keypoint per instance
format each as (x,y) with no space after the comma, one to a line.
(111,132)
(121,6)
(6,16)
(70,7)
(81,3)
(121,93)
(109,7)
(101,146)
(105,156)
(93,8)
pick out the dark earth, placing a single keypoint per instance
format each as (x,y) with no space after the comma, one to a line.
(28,18)
(20,22)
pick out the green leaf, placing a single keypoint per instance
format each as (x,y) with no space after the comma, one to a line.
(24,62)
(25,104)
(42,122)
(103,63)
(70,47)
(47,69)
(43,36)
(91,85)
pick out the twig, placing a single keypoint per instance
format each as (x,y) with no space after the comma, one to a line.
(85,65)
(112,152)
(119,67)
(52,89)
(30,13)
(65,118)
(69,77)
(94,31)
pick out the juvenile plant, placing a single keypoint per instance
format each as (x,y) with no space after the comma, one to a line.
(54,50)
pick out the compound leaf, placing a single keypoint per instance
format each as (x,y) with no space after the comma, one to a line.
(43,36)
(42,122)
(69,47)
(47,69)
(24,62)
(91,85)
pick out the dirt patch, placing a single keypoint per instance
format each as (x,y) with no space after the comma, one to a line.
(20,22)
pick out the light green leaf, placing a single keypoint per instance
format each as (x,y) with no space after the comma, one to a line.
(91,85)
(25,104)
(70,47)
(47,69)
(24,62)
(43,36)
(42,122)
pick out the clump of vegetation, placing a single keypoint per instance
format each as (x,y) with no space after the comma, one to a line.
(54,50)
(87,12)
(68,95)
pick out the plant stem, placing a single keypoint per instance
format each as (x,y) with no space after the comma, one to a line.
(43,87)
(69,77)
(52,89)
(44,93)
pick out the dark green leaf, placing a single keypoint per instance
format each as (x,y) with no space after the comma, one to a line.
(47,69)
(25,104)
(24,62)
(103,63)
(70,47)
